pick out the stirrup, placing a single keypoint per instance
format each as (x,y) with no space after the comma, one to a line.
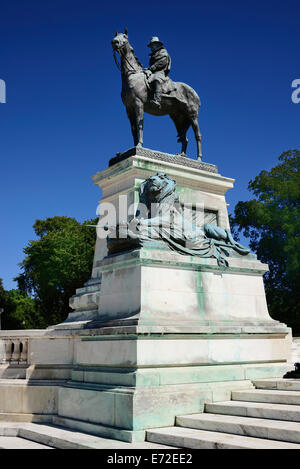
(155,103)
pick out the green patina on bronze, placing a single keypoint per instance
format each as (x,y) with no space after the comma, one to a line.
(160,222)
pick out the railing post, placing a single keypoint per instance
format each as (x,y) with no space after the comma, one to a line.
(23,350)
(15,351)
(3,351)
(8,350)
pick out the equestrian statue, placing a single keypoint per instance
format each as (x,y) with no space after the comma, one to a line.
(151,90)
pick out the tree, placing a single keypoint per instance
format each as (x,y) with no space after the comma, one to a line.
(57,263)
(272,222)
(20,310)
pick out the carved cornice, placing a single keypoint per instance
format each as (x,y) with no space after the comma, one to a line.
(160,156)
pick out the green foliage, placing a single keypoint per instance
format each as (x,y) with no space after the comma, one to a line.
(272,222)
(20,310)
(57,263)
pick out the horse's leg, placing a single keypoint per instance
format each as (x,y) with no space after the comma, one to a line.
(182,126)
(132,120)
(198,137)
(139,121)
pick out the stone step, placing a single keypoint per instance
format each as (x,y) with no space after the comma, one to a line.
(277,383)
(61,438)
(199,439)
(248,426)
(265,395)
(256,409)
(14,442)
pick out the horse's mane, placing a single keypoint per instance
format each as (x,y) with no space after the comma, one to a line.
(136,58)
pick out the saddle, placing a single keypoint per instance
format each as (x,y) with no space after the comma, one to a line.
(168,86)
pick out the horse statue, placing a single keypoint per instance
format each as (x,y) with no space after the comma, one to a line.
(179,100)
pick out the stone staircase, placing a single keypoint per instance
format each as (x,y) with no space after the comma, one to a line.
(28,435)
(267,417)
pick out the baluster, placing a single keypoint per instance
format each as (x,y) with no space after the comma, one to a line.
(15,351)
(8,350)
(4,346)
(23,350)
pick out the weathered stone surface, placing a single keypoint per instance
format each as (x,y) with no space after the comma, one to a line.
(17,396)
(163,157)
(14,442)
(34,436)
(266,395)
(256,409)
(199,439)
(154,334)
(196,184)
(246,421)
(280,384)
(44,351)
(167,288)
(126,376)
(135,409)
(249,426)
(133,351)
(115,376)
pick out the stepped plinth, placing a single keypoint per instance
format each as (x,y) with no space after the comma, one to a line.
(157,333)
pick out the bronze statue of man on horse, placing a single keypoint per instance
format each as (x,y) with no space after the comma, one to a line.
(159,68)
(151,90)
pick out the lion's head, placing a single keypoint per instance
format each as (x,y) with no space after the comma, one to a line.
(157,188)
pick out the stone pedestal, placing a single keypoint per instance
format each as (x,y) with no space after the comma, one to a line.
(151,287)
(158,333)
(197,183)
(154,334)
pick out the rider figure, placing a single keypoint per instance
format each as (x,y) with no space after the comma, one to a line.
(159,68)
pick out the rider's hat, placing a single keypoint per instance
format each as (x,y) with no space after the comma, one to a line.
(154,40)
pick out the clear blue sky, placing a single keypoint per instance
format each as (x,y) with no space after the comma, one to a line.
(64,118)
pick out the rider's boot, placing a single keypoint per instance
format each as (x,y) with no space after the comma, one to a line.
(156,101)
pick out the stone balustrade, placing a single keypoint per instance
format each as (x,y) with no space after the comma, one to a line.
(14,350)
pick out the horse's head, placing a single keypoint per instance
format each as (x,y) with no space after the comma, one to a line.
(119,41)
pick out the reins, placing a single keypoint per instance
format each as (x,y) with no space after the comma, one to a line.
(116,60)
(132,68)
(124,57)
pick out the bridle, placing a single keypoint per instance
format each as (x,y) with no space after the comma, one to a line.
(123,57)
(116,60)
